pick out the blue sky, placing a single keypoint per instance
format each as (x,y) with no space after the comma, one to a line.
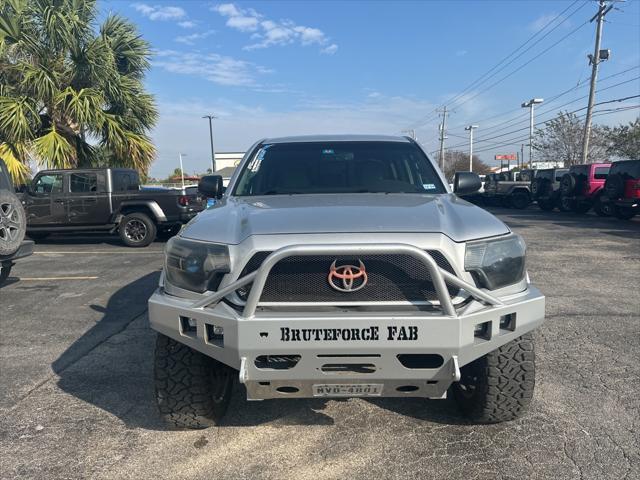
(292,67)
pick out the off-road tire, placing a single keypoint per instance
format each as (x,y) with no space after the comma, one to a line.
(546,205)
(499,386)
(603,209)
(5,271)
(565,204)
(624,213)
(614,186)
(137,230)
(520,200)
(13,223)
(567,184)
(192,390)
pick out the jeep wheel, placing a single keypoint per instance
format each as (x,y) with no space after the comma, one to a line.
(565,204)
(192,390)
(13,223)
(625,213)
(137,230)
(520,200)
(603,209)
(567,184)
(546,205)
(5,271)
(499,386)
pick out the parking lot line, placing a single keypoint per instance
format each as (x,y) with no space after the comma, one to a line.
(37,279)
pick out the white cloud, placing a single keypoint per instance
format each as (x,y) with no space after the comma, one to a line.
(330,50)
(187,24)
(158,12)
(194,37)
(216,68)
(268,33)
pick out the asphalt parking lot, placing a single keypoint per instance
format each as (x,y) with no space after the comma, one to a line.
(76,394)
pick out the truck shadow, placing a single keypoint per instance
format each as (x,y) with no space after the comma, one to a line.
(111,367)
(87,239)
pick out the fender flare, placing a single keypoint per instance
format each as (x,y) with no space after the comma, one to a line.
(152,205)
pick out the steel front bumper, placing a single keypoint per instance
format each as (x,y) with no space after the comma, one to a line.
(346,347)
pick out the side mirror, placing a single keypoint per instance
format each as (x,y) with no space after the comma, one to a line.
(211,186)
(466,182)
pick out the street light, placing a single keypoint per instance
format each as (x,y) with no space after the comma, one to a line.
(470,130)
(529,105)
(213,156)
(180,155)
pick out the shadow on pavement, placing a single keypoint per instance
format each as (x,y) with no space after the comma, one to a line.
(87,239)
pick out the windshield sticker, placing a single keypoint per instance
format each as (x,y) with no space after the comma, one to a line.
(428,186)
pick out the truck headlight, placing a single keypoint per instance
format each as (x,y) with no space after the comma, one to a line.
(195,266)
(496,263)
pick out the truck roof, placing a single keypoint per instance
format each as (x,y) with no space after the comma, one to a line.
(337,138)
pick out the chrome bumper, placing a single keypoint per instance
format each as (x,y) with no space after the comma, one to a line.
(347,347)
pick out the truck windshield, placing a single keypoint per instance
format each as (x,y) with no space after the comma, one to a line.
(338,167)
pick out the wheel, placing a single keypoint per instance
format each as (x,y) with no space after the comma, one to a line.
(13,223)
(603,209)
(565,204)
(137,230)
(546,205)
(5,271)
(625,213)
(499,386)
(520,200)
(192,390)
(567,184)
(37,235)
(581,207)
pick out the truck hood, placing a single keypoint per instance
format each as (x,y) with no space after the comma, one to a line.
(233,219)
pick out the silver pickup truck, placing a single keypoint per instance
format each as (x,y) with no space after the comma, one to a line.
(342,266)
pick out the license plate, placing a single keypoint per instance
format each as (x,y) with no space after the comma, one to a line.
(348,390)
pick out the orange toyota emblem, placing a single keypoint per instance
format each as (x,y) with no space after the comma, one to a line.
(347,278)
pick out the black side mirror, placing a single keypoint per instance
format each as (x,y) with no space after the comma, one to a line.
(211,186)
(466,182)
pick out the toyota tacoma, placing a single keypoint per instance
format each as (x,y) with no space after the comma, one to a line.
(343,266)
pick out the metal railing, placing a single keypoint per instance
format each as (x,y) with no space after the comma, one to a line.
(439,276)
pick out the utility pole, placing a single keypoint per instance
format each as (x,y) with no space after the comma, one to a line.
(594,59)
(181,169)
(213,155)
(470,129)
(443,136)
(530,105)
(522,156)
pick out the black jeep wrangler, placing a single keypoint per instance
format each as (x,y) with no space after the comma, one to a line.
(545,187)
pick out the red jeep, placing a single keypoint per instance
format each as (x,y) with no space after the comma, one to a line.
(622,189)
(581,186)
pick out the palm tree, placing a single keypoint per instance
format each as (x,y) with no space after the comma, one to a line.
(72,95)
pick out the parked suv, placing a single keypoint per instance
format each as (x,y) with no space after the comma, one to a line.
(622,189)
(107,200)
(581,186)
(511,189)
(545,187)
(12,226)
(343,266)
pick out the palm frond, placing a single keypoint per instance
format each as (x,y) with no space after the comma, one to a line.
(54,151)
(83,107)
(18,117)
(15,159)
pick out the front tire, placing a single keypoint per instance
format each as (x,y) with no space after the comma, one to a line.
(499,386)
(13,223)
(137,230)
(192,390)
(625,213)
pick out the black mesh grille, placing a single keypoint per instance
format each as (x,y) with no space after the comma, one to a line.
(391,277)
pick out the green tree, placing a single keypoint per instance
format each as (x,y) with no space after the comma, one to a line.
(72,94)
(625,140)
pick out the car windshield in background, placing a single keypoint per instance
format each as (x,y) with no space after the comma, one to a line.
(601,173)
(338,167)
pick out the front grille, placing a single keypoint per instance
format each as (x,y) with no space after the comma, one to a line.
(391,278)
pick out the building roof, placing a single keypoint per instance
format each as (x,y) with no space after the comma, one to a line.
(337,138)
(225,172)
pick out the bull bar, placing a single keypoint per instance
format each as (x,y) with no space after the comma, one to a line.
(448,334)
